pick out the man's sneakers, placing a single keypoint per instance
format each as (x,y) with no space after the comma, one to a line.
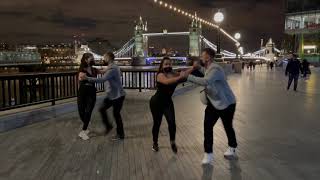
(230,153)
(84,135)
(207,159)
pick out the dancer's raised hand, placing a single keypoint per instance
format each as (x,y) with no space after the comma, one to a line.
(82,76)
(196,65)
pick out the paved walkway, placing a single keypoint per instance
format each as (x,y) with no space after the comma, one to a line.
(278,134)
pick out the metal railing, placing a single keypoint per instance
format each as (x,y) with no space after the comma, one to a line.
(20,90)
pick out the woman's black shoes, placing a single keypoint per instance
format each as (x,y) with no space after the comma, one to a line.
(155,148)
(174,148)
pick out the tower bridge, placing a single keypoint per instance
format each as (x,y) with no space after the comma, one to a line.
(136,48)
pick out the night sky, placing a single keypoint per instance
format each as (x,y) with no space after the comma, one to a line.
(44,21)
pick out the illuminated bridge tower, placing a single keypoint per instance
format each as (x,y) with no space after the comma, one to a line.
(141,42)
(194,38)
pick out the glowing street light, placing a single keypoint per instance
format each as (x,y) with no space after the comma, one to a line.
(218,18)
(237,36)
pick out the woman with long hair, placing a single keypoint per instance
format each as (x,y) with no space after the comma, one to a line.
(86,93)
(161,103)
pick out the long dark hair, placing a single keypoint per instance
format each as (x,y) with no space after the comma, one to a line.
(83,63)
(160,70)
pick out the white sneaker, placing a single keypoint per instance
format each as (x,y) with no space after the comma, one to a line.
(87,131)
(83,135)
(207,159)
(230,153)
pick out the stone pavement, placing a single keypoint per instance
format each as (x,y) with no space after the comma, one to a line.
(278,134)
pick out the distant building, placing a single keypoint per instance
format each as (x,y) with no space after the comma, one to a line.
(86,49)
(100,46)
(63,53)
(23,54)
(269,51)
(302,27)
(4,46)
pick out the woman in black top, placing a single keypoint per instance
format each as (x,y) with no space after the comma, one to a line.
(86,93)
(161,103)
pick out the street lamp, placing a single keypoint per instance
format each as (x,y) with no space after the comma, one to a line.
(218,18)
(241,50)
(237,36)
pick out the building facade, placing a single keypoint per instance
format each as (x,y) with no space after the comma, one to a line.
(302,28)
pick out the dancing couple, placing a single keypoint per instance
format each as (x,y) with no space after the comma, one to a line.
(115,94)
(217,96)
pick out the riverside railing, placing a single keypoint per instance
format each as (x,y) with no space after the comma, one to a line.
(20,90)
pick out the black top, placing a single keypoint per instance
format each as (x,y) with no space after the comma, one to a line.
(94,74)
(166,91)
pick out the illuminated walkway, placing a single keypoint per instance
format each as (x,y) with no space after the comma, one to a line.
(278,134)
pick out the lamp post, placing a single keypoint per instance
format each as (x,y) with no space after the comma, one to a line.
(237,36)
(218,18)
(241,51)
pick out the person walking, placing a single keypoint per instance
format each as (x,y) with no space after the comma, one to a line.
(115,95)
(87,93)
(161,103)
(271,65)
(293,70)
(305,68)
(220,101)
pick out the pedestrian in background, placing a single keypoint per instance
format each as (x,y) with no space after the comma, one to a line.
(293,70)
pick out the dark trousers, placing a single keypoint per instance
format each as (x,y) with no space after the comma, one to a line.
(117,106)
(211,117)
(305,72)
(86,103)
(159,107)
(292,77)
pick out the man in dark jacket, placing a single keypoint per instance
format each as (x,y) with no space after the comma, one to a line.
(293,70)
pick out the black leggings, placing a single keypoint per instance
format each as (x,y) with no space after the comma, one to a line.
(160,106)
(86,102)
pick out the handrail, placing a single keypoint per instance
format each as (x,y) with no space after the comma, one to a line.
(26,89)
